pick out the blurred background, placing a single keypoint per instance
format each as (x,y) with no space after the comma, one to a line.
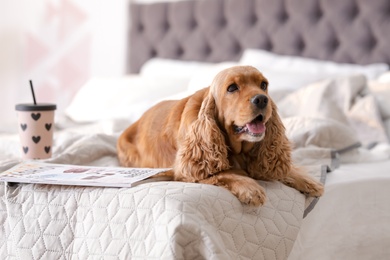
(59,45)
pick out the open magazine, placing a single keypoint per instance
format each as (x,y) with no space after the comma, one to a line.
(65,174)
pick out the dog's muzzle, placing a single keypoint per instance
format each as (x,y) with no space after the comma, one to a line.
(255,128)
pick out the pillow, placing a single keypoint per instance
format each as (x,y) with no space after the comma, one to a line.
(122,97)
(171,68)
(345,100)
(205,75)
(199,74)
(384,78)
(381,91)
(294,72)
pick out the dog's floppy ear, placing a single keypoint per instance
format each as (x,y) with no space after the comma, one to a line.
(203,151)
(271,158)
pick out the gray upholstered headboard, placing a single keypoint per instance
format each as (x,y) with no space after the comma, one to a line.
(352,31)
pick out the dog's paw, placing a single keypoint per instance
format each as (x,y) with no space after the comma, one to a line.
(251,193)
(313,188)
(246,189)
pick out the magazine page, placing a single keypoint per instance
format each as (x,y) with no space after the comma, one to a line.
(65,174)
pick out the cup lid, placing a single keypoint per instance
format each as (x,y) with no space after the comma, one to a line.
(33,107)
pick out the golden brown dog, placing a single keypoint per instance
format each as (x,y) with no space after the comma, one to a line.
(228,135)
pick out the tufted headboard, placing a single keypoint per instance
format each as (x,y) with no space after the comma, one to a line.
(351,31)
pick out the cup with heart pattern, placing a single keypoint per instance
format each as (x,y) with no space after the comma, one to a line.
(36,126)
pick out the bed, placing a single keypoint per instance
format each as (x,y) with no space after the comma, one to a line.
(327,63)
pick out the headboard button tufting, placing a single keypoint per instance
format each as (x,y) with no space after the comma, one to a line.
(253,20)
(354,12)
(140,28)
(194,24)
(179,51)
(283,17)
(353,31)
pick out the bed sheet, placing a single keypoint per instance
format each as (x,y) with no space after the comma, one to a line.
(352,219)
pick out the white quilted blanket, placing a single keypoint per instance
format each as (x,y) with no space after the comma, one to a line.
(162,220)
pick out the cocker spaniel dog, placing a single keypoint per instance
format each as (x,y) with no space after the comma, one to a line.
(228,135)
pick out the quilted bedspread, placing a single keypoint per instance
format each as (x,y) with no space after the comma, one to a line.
(161,220)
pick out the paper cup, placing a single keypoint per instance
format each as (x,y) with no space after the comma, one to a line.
(36,126)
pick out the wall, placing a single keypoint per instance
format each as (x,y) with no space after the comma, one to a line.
(59,45)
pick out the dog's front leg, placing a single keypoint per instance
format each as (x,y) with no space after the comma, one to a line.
(300,180)
(246,189)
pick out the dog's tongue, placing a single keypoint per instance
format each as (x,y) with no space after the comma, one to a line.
(256,127)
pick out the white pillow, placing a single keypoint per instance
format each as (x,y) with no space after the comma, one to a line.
(381,91)
(294,72)
(123,97)
(171,68)
(384,78)
(205,75)
(199,74)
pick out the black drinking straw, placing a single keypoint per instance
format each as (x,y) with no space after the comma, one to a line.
(32,91)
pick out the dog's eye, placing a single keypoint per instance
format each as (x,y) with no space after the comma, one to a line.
(233,87)
(264,85)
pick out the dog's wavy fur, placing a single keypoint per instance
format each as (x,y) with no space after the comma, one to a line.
(206,138)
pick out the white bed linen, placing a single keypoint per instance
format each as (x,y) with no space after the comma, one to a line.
(162,220)
(235,230)
(294,72)
(352,220)
(124,97)
(166,220)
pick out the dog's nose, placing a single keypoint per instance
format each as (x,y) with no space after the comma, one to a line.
(260,101)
